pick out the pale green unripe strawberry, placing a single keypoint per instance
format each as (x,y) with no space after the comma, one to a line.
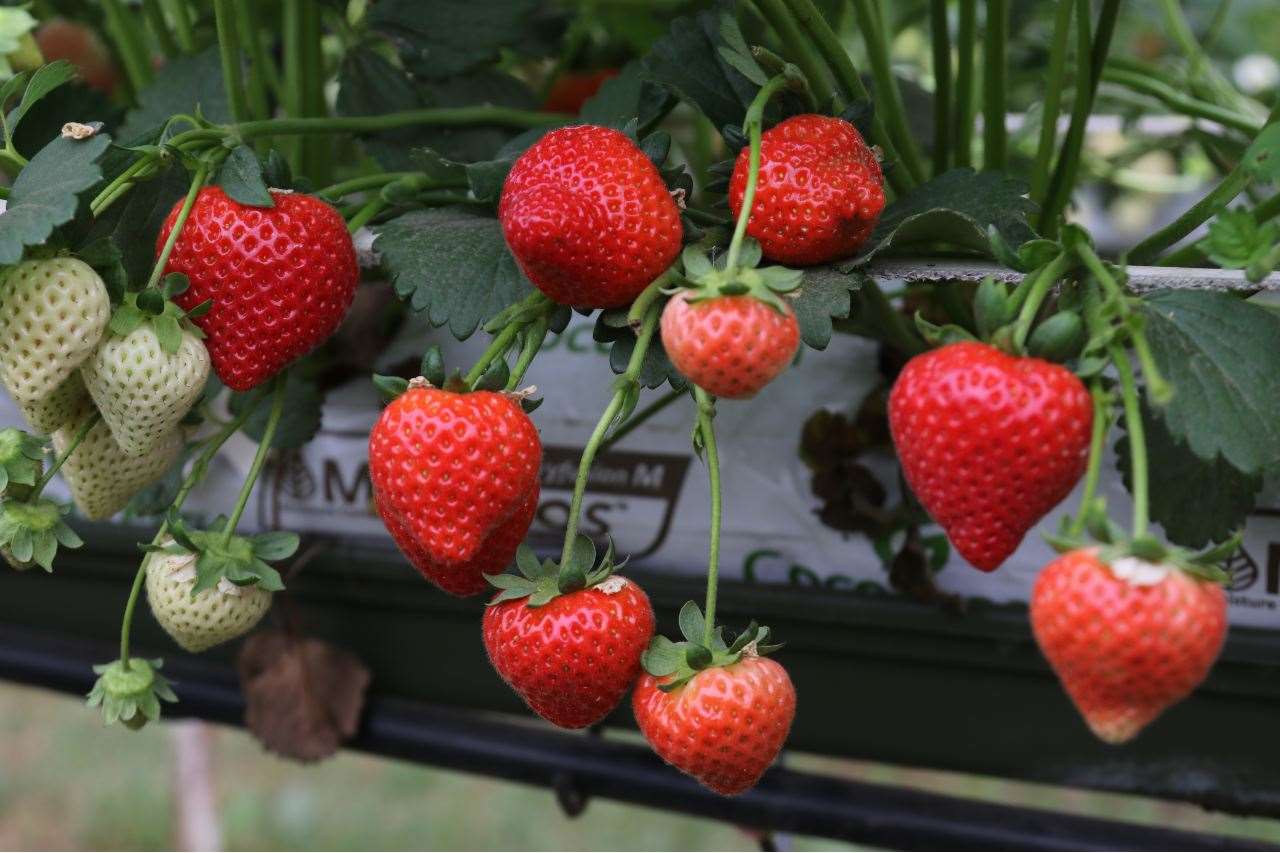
(68,402)
(52,314)
(142,390)
(210,617)
(102,477)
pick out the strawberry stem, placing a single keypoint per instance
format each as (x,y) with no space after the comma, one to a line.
(752,127)
(1137,438)
(1052,98)
(229,50)
(197,182)
(83,431)
(641,416)
(534,335)
(962,114)
(707,434)
(259,458)
(1097,445)
(1036,292)
(366,213)
(995,46)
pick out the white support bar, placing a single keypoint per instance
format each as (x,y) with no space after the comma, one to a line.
(1140,278)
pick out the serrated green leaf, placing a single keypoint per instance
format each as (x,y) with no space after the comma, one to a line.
(691,622)
(1236,239)
(1217,351)
(46,192)
(824,294)
(240,177)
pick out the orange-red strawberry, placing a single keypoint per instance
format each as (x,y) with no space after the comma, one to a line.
(569,650)
(989,442)
(730,346)
(1128,639)
(588,218)
(819,194)
(455,479)
(724,726)
(281,279)
(572,89)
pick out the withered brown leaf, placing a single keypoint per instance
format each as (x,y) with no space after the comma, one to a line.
(304,696)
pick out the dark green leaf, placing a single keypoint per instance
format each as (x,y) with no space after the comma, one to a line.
(186,83)
(45,79)
(442,38)
(452,265)
(303,404)
(626,97)
(240,177)
(697,656)
(1218,353)
(825,294)
(133,223)
(46,192)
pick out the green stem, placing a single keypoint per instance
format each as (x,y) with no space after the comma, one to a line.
(799,49)
(752,127)
(890,103)
(111,191)
(181,21)
(1054,85)
(625,386)
(706,430)
(496,350)
(365,215)
(259,458)
(260,64)
(1201,66)
(363,182)
(941,85)
(1097,445)
(155,20)
(1213,203)
(197,181)
(1192,255)
(291,93)
(639,418)
(129,44)
(1179,101)
(534,335)
(966,47)
(652,293)
(79,437)
(1137,439)
(1035,296)
(316,149)
(995,60)
(232,68)
(482,114)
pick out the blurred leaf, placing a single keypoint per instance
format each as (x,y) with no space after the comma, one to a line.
(186,83)
(300,421)
(442,38)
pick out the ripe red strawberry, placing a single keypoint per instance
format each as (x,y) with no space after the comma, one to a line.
(572,89)
(60,38)
(819,194)
(730,346)
(455,478)
(588,218)
(724,726)
(1127,639)
(989,442)
(570,652)
(281,279)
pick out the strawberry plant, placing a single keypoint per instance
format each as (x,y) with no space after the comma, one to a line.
(204,199)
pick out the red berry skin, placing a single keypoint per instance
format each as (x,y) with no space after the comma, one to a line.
(573,659)
(572,89)
(989,442)
(819,194)
(723,727)
(60,38)
(588,218)
(281,279)
(730,346)
(1125,652)
(455,479)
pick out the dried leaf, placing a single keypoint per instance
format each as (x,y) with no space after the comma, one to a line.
(304,695)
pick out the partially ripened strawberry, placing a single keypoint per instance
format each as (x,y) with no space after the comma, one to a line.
(720,714)
(455,479)
(102,477)
(1128,638)
(819,194)
(588,218)
(568,642)
(52,314)
(989,442)
(280,279)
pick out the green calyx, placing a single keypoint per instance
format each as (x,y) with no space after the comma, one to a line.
(130,695)
(21,462)
(157,308)
(242,560)
(31,531)
(679,662)
(1115,543)
(543,582)
(712,279)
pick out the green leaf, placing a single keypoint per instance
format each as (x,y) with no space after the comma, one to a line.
(825,294)
(1214,509)
(628,96)
(442,38)
(240,177)
(186,83)
(133,223)
(46,192)
(303,405)
(655,370)
(45,79)
(1262,157)
(692,623)
(276,545)
(957,208)
(452,265)
(1236,240)
(1218,353)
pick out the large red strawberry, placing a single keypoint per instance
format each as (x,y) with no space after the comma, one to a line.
(1127,638)
(819,194)
(730,346)
(989,442)
(281,279)
(568,643)
(455,479)
(723,722)
(588,218)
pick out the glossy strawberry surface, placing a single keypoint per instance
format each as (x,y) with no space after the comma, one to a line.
(1124,650)
(281,279)
(588,218)
(572,659)
(989,442)
(819,194)
(723,727)
(455,478)
(730,346)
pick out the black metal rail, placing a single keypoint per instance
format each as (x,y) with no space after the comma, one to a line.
(786,800)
